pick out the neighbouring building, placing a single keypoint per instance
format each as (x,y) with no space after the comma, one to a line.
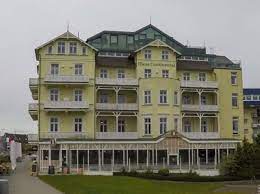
(134,99)
(252,113)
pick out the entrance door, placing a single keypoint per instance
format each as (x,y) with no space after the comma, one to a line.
(173,159)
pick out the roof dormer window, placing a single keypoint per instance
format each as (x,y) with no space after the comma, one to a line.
(50,50)
(73,47)
(113,39)
(61,47)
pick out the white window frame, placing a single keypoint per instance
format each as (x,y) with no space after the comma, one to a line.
(204,126)
(203,100)
(54,124)
(186,99)
(147,73)
(165,55)
(103,73)
(233,78)
(234,100)
(78,69)
(187,126)
(78,95)
(175,123)
(103,125)
(55,69)
(50,50)
(54,94)
(147,97)
(121,99)
(147,54)
(120,73)
(73,47)
(103,98)
(113,39)
(61,47)
(121,125)
(163,97)
(163,125)
(165,73)
(202,76)
(147,125)
(186,76)
(78,124)
(84,50)
(176,98)
(235,125)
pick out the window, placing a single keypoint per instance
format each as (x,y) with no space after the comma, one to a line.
(165,73)
(147,126)
(255,97)
(113,39)
(103,125)
(54,69)
(78,94)
(103,73)
(103,98)
(202,77)
(245,121)
(186,100)
(121,73)
(148,54)
(54,94)
(61,47)
(78,124)
(121,99)
(165,55)
(142,36)
(147,73)
(234,99)
(175,98)
(50,50)
(84,50)
(73,47)
(176,123)
(163,96)
(246,131)
(78,69)
(233,78)
(204,126)
(186,76)
(54,124)
(130,40)
(187,126)
(163,125)
(235,125)
(121,125)
(203,100)
(248,97)
(147,97)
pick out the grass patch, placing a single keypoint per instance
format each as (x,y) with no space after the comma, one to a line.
(126,185)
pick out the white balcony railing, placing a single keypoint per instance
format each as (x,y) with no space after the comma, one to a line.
(116,135)
(33,107)
(66,79)
(206,108)
(256,125)
(66,105)
(117,81)
(63,135)
(199,84)
(201,135)
(33,82)
(111,106)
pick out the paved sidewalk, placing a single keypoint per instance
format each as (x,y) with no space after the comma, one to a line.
(22,183)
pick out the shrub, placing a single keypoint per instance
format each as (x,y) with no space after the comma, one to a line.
(164,172)
(123,170)
(149,171)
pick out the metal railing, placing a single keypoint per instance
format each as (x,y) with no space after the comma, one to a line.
(66,105)
(117,81)
(63,135)
(113,106)
(66,78)
(193,107)
(199,84)
(201,135)
(116,135)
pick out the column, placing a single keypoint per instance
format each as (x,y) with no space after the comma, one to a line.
(67,157)
(88,159)
(153,156)
(198,157)
(207,157)
(116,122)
(102,157)
(113,159)
(127,158)
(200,122)
(189,157)
(156,159)
(77,160)
(137,157)
(60,158)
(147,157)
(218,155)
(227,152)
(99,160)
(215,158)
(49,155)
(116,90)
(192,156)
(123,157)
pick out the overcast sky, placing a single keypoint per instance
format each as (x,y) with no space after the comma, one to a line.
(230,27)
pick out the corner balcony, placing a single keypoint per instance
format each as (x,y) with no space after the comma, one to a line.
(117,81)
(66,105)
(199,84)
(66,79)
(33,85)
(201,135)
(111,106)
(33,111)
(199,108)
(63,135)
(116,135)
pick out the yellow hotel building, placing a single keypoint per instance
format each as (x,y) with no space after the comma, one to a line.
(136,100)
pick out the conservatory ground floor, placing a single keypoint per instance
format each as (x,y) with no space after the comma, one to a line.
(172,151)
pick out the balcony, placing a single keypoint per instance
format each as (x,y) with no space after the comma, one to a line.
(68,79)
(66,105)
(116,135)
(123,106)
(200,108)
(33,85)
(255,115)
(63,135)
(117,81)
(201,135)
(33,111)
(199,84)
(256,125)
